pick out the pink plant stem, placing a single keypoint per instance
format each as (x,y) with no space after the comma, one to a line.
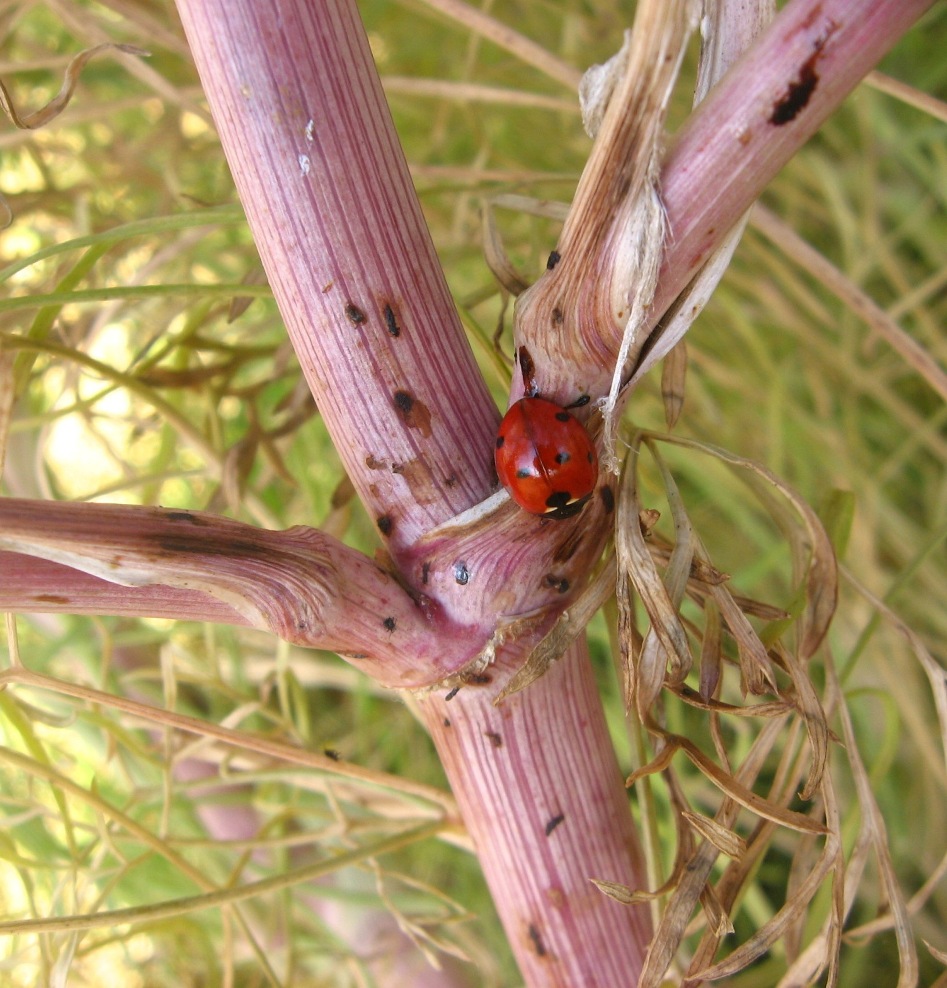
(808,60)
(773,100)
(307,133)
(38,586)
(540,791)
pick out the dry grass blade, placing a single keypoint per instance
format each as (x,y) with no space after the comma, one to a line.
(767,935)
(523,48)
(877,320)
(723,838)
(676,916)
(496,257)
(757,674)
(821,581)
(622,893)
(813,714)
(728,30)
(680,564)
(940,955)
(52,109)
(637,569)
(822,954)
(874,825)
(746,797)
(673,381)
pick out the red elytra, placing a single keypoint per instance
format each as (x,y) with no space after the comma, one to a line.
(545,458)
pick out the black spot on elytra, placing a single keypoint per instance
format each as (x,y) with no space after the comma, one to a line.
(461,573)
(554,822)
(500,441)
(537,941)
(559,505)
(391,321)
(524,472)
(563,416)
(452,693)
(389,623)
(385,524)
(493,738)
(608,498)
(554,258)
(562,457)
(354,314)
(558,500)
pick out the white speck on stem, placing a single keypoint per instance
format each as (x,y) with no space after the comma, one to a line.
(309,129)
(304,164)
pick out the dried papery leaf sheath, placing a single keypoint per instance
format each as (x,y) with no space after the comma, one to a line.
(568,320)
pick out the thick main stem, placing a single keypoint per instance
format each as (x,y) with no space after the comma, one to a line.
(313,151)
(539,768)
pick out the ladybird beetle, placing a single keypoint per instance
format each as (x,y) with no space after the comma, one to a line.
(545,458)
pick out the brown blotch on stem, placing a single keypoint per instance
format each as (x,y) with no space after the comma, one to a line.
(554,822)
(183,516)
(559,583)
(527,369)
(535,938)
(391,321)
(354,314)
(800,90)
(608,498)
(415,414)
(493,738)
